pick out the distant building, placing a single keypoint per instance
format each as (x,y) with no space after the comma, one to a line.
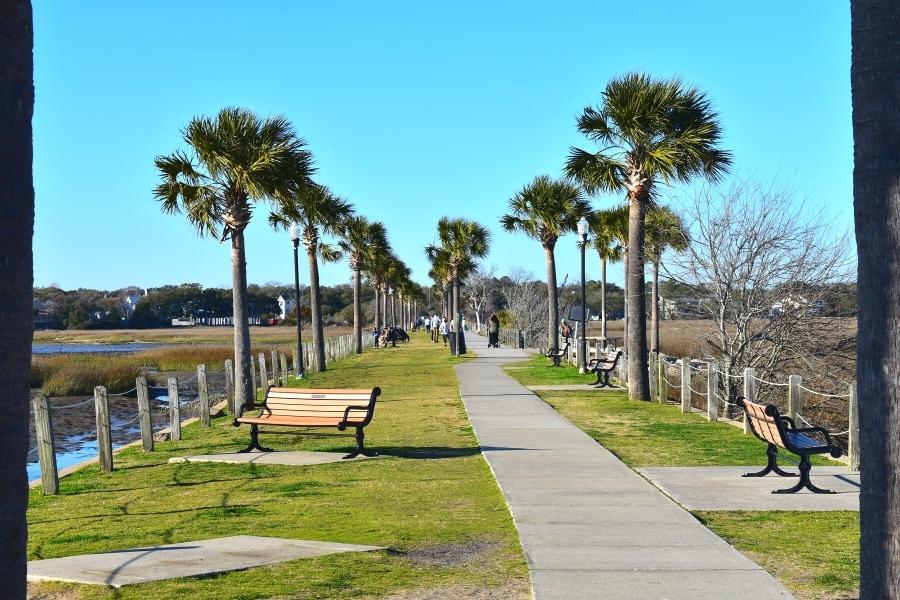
(682,308)
(41,313)
(286,305)
(128,305)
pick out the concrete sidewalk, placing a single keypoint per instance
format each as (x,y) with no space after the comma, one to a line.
(590,527)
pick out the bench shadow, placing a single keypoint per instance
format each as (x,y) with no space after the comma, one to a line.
(436,452)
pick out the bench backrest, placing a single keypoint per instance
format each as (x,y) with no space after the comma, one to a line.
(325,404)
(765,421)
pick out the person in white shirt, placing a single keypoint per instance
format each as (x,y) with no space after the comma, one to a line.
(445,329)
(435,325)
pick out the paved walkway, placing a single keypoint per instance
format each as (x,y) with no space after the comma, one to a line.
(592,528)
(723,488)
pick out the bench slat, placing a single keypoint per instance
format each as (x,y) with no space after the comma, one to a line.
(280,403)
(299,421)
(314,413)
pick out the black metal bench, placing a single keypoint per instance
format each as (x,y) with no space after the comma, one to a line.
(779,431)
(603,367)
(556,355)
(291,407)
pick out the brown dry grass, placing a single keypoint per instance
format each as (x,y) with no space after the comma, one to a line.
(186,335)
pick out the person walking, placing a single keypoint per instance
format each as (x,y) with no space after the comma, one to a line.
(445,329)
(493,332)
(435,327)
(375,336)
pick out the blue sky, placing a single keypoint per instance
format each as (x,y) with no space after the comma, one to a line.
(414,110)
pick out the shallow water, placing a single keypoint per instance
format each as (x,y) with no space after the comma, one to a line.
(92,348)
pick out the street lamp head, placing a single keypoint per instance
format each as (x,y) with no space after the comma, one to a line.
(582,227)
(390,291)
(294,231)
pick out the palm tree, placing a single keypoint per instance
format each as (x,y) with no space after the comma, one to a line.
(317,211)
(545,210)
(16,227)
(395,272)
(650,132)
(665,231)
(875,29)
(606,240)
(462,242)
(360,240)
(235,160)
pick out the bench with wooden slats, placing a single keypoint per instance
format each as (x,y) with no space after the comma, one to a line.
(292,407)
(603,367)
(556,355)
(779,431)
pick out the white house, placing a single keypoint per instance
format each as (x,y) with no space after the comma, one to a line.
(286,304)
(128,304)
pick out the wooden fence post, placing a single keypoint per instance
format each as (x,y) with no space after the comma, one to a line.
(652,368)
(203,395)
(623,368)
(853,434)
(284,368)
(662,388)
(685,385)
(712,389)
(43,433)
(229,386)
(795,397)
(294,358)
(263,372)
(174,410)
(104,440)
(144,418)
(749,393)
(276,376)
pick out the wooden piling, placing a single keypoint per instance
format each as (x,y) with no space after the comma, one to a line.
(276,375)
(229,386)
(43,432)
(795,396)
(712,390)
(652,369)
(662,386)
(853,434)
(104,437)
(284,368)
(174,410)
(685,385)
(203,395)
(144,416)
(263,372)
(749,393)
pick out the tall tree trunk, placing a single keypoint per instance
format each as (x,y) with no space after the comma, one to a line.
(603,297)
(384,305)
(875,73)
(457,315)
(16,229)
(625,331)
(393,311)
(654,308)
(315,307)
(638,379)
(357,312)
(377,309)
(243,362)
(552,299)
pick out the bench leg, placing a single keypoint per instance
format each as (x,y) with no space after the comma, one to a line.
(771,465)
(555,360)
(605,382)
(804,482)
(254,441)
(360,448)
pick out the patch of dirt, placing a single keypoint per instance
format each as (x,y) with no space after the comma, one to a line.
(510,591)
(43,591)
(450,555)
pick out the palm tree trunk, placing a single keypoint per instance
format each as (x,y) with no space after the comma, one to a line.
(654,308)
(552,300)
(625,303)
(638,379)
(16,227)
(457,318)
(393,311)
(357,312)
(384,306)
(375,303)
(875,31)
(245,395)
(315,307)
(603,298)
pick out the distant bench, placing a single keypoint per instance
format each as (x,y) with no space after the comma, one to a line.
(556,355)
(779,431)
(603,367)
(291,407)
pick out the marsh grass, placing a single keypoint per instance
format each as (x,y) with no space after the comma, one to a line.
(430,487)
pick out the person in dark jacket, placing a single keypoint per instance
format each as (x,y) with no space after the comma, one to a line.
(493,332)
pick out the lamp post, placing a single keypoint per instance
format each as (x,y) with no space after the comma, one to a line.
(582,344)
(294,232)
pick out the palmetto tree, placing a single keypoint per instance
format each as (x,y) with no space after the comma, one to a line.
(395,272)
(875,32)
(650,132)
(545,210)
(235,160)
(665,231)
(317,211)
(360,240)
(606,239)
(462,242)
(16,227)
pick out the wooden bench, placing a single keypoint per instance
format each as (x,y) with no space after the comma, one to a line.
(779,431)
(556,355)
(292,407)
(603,367)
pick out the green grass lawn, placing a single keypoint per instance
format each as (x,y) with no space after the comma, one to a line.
(430,488)
(815,554)
(538,370)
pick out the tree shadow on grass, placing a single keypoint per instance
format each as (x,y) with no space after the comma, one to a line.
(436,452)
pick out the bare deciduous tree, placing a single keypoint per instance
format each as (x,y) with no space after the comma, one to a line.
(526,301)
(763,265)
(477,289)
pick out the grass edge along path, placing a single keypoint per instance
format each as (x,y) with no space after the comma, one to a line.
(814,554)
(430,498)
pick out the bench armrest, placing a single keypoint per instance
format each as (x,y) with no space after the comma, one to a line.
(820,430)
(343,424)
(790,422)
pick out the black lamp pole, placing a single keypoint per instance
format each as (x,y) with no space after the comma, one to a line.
(582,347)
(298,368)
